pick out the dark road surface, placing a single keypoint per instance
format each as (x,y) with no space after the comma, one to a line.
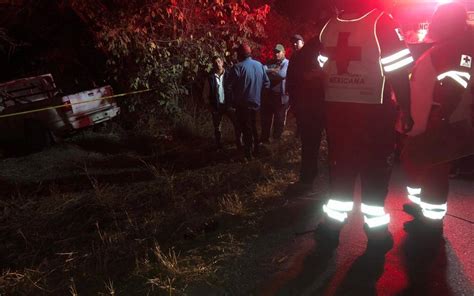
(405,270)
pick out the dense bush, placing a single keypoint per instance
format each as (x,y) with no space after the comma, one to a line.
(166,44)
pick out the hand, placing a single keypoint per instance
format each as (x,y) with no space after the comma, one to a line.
(274,71)
(406,122)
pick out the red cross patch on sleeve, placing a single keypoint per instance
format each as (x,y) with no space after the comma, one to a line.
(466,61)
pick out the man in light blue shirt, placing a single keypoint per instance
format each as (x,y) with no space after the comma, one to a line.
(275,105)
(248,80)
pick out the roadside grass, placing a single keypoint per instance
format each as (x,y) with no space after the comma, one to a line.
(155,237)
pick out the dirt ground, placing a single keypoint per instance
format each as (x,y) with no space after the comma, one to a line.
(183,218)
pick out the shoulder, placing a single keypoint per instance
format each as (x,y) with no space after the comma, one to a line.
(453,55)
(385,19)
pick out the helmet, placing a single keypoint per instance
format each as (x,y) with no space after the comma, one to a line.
(448,21)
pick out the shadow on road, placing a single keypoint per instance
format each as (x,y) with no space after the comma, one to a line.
(426,265)
(362,277)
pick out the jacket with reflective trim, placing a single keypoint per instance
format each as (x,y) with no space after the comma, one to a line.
(450,61)
(358,53)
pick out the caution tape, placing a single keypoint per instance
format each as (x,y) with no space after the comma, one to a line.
(78,103)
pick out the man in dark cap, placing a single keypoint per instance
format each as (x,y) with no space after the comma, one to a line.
(305,87)
(248,79)
(275,106)
(292,76)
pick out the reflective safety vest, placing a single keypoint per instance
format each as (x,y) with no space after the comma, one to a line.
(451,60)
(356,54)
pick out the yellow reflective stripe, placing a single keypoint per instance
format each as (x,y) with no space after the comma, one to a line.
(413,191)
(377,221)
(342,206)
(341,217)
(435,215)
(372,210)
(395,56)
(399,64)
(456,76)
(429,206)
(414,199)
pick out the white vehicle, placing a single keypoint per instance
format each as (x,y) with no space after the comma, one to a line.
(28,114)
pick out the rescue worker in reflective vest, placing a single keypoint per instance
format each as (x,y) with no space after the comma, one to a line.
(365,60)
(441,99)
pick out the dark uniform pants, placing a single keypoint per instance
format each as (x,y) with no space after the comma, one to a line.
(428,185)
(361,139)
(433,181)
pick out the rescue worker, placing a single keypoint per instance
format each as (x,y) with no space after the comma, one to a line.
(441,100)
(365,60)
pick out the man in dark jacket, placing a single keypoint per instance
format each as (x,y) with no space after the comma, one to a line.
(219,97)
(248,79)
(305,87)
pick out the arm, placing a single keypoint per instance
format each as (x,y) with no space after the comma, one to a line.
(282,70)
(266,80)
(396,60)
(401,87)
(290,83)
(230,85)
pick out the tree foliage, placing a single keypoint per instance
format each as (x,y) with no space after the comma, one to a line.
(165,44)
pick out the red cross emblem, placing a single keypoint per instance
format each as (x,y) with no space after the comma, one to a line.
(466,61)
(343,54)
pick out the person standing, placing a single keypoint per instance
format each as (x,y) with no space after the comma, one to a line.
(219,96)
(275,105)
(441,99)
(305,88)
(295,74)
(248,80)
(365,59)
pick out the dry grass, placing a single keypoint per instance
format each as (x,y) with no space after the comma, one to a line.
(134,238)
(231,204)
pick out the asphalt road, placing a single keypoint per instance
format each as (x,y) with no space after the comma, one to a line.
(411,267)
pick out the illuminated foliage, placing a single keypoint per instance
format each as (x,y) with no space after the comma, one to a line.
(167,43)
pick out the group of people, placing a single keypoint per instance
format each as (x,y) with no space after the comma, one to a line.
(359,82)
(244,90)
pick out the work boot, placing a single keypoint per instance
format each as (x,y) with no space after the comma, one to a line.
(379,239)
(425,229)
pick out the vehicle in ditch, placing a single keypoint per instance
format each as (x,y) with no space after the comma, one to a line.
(30,116)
